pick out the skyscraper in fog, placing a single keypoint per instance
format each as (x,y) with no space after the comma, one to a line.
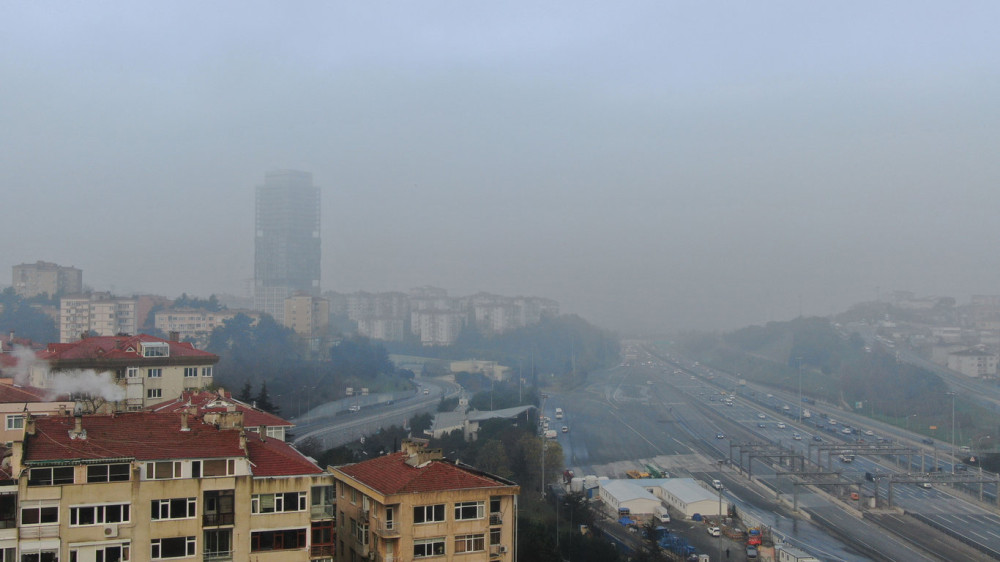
(287,240)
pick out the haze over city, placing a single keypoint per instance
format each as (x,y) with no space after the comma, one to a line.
(651,166)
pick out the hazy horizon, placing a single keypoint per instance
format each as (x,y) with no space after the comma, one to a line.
(652,166)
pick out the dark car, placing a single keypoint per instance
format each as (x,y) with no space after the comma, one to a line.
(817,438)
(720,436)
(927,441)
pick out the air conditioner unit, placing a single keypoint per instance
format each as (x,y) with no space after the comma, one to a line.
(111,531)
(503,548)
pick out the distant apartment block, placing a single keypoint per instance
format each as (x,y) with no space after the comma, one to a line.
(100,313)
(384,329)
(437,327)
(147,370)
(196,325)
(44,278)
(307,315)
(977,363)
(287,240)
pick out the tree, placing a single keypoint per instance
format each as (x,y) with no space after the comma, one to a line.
(264,401)
(492,458)
(246,393)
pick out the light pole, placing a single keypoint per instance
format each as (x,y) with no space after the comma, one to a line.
(800,389)
(952,432)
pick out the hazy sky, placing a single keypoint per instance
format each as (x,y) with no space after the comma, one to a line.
(656,165)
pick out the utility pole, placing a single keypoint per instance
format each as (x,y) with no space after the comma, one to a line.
(952,432)
(800,389)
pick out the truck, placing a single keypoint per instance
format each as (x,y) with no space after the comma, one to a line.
(551,434)
(806,414)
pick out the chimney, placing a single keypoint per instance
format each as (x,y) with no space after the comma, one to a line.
(11,340)
(78,432)
(418,454)
(262,429)
(243,440)
(184,421)
(29,424)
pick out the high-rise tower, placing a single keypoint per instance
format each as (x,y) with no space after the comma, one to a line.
(287,240)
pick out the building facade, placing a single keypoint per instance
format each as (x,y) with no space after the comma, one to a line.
(414,504)
(44,278)
(197,324)
(98,313)
(145,486)
(307,315)
(126,372)
(287,240)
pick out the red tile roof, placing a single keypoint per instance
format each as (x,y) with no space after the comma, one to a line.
(116,347)
(137,435)
(11,393)
(273,457)
(212,401)
(391,475)
(148,436)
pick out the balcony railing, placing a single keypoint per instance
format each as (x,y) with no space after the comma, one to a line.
(8,523)
(216,519)
(39,532)
(322,511)
(218,555)
(387,528)
(317,550)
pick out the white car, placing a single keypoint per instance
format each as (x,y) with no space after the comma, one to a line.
(781,425)
(355,408)
(869,433)
(762,416)
(797,436)
(717,484)
(715,531)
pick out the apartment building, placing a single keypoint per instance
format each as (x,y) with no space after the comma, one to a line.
(307,315)
(99,313)
(44,278)
(194,324)
(17,402)
(157,486)
(146,369)
(414,504)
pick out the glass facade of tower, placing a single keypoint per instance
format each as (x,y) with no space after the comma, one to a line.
(287,240)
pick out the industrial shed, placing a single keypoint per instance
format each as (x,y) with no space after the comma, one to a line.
(684,495)
(618,494)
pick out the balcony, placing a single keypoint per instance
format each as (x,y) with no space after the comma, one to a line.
(496,519)
(217,519)
(387,529)
(322,550)
(39,532)
(322,511)
(218,556)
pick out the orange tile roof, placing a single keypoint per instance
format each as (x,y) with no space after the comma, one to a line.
(274,457)
(391,475)
(12,393)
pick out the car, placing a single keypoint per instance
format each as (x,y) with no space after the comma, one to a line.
(355,408)
(762,416)
(751,552)
(927,441)
(717,484)
(797,436)
(427,391)
(817,438)
(925,485)
(565,429)
(832,421)
(846,431)
(720,435)
(715,531)
(761,424)
(781,425)
(869,433)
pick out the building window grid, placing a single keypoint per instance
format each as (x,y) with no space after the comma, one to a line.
(470,543)
(428,513)
(190,372)
(175,547)
(425,548)
(154,373)
(85,515)
(278,503)
(173,508)
(15,421)
(470,510)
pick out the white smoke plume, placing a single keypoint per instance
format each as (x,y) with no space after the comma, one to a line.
(92,383)
(26,359)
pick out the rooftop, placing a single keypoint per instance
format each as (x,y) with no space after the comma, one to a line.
(221,401)
(390,474)
(118,347)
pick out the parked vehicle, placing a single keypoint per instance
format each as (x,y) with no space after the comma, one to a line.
(715,531)
(717,484)
(559,413)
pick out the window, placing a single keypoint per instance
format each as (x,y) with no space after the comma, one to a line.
(206,371)
(287,539)
(278,503)
(178,547)
(156,349)
(132,372)
(154,392)
(99,514)
(322,500)
(40,515)
(354,496)
(118,472)
(494,537)
(154,373)
(428,547)
(470,543)
(50,476)
(190,372)
(42,555)
(495,504)
(428,513)
(15,421)
(219,507)
(469,510)
(109,553)
(8,511)
(8,554)
(218,543)
(174,508)
(163,470)
(219,467)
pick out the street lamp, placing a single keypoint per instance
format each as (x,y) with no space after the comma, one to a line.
(952,394)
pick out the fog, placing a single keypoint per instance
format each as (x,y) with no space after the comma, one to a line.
(650,165)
